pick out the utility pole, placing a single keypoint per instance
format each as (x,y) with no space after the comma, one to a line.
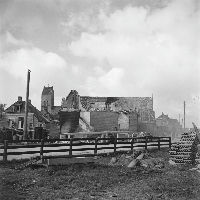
(26,105)
(184,115)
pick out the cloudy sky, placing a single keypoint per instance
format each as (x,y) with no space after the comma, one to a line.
(103,48)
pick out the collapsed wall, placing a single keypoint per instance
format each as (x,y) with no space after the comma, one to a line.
(185,150)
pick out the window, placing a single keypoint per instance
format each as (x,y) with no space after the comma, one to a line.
(20,122)
(18,108)
(11,123)
(30,126)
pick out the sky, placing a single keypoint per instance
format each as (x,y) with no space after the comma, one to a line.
(132,48)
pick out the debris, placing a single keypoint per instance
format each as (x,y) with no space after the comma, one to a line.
(193,169)
(172,162)
(152,162)
(113,160)
(198,166)
(140,157)
(136,153)
(33,163)
(133,163)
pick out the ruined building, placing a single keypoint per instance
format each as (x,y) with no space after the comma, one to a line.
(143,105)
(99,113)
(109,113)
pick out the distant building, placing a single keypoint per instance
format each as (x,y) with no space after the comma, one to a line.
(167,126)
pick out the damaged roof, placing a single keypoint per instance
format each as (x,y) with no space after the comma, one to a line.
(31,109)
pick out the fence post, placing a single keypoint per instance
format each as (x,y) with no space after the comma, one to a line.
(5,150)
(115,145)
(170,142)
(158,143)
(70,147)
(41,149)
(146,143)
(95,150)
(132,144)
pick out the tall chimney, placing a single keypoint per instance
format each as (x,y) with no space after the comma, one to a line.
(19,98)
(184,114)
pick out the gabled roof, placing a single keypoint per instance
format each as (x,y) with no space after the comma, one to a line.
(31,109)
(47,90)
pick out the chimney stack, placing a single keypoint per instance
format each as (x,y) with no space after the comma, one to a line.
(19,98)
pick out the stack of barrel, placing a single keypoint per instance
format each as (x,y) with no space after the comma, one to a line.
(185,150)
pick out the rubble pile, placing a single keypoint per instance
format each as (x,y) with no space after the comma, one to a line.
(185,150)
(137,158)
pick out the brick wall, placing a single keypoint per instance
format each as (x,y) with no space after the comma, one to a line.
(69,121)
(149,127)
(123,121)
(85,116)
(102,121)
(133,122)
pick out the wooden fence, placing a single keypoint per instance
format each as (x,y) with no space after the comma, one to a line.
(74,145)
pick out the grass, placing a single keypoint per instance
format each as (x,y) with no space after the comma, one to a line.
(96,181)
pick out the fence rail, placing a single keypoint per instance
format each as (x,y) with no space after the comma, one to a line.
(76,147)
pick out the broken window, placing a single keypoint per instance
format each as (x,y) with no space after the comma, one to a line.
(20,122)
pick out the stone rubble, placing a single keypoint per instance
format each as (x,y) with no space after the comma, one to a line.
(138,158)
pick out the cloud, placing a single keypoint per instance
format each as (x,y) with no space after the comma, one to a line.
(158,52)
(14,63)
(106,84)
(114,48)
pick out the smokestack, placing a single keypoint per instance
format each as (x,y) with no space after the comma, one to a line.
(19,98)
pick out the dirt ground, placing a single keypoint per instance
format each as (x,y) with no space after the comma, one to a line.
(100,181)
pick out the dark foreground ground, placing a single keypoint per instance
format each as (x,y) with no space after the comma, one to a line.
(97,181)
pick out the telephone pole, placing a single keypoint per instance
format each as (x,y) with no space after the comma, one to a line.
(26,105)
(184,115)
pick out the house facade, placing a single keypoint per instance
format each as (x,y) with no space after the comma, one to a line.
(15,117)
